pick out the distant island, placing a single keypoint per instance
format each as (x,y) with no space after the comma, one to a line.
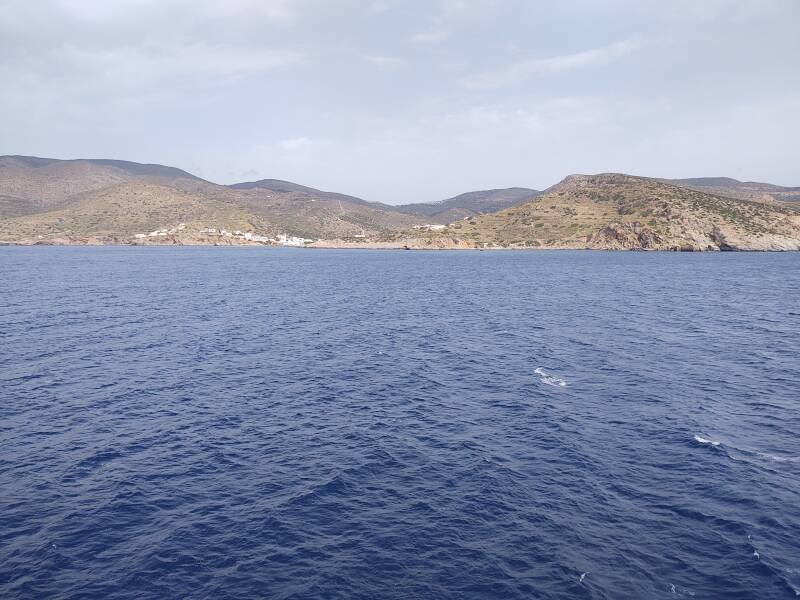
(96,202)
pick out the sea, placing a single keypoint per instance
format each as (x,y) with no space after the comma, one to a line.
(212,423)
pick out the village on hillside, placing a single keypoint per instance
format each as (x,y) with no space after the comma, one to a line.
(282,239)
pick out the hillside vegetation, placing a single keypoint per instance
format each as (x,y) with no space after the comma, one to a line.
(613,211)
(743,190)
(101,201)
(104,201)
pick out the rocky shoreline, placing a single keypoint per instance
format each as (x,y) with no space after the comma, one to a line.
(767,245)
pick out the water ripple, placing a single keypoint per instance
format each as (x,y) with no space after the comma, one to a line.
(228,423)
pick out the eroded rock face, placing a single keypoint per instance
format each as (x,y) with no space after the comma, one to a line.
(626,236)
(721,241)
(612,211)
(766,242)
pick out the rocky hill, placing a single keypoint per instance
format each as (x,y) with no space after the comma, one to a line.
(744,190)
(470,204)
(622,212)
(104,201)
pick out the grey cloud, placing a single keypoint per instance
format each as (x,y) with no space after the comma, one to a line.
(407,100)
(521,70)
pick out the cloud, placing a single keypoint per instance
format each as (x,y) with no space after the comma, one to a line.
(119,10)
(447,18)
(525,69)
(140,66)
(430,37)
(276,10)
(385,63)
(295,144)
(91,11)
(287,154)
(469,10)
(69,83)
(378,7)
(328,85)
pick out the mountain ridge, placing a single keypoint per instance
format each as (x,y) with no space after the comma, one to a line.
(108,201)
(153,169)
(441,211)
(470,203)
(281,185)
(743,190)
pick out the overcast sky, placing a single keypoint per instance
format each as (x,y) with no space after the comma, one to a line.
(408,100)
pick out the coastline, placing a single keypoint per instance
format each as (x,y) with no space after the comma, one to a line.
(374,246)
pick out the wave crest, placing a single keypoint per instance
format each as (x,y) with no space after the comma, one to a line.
(548,379)
(702,440)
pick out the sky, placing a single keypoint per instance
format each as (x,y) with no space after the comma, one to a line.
(408,100)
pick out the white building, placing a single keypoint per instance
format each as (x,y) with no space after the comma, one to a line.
(431,227)
(287,240)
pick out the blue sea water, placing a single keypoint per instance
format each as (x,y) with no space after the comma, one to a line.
(269,423)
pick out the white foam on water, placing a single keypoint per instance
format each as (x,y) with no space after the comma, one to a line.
(748,452)
(548,379)
(702,440)
(776,458)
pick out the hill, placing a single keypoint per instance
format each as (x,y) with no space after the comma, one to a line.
(31,184)
(744,190)
(469,204)
(280,186)
(117,213)
(622,212)
(105,201)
